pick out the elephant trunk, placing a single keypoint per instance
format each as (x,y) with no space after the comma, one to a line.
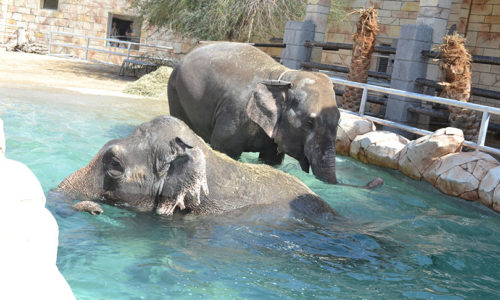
(83,184)
(323,167)
(321,156)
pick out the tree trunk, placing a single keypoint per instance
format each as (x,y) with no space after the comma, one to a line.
(456,78)
(363,47)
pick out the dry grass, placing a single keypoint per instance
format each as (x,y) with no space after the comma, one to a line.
(153,84)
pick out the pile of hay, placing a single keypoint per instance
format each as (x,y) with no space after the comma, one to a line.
(153,84)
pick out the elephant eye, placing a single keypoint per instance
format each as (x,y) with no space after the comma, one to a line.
(115,168)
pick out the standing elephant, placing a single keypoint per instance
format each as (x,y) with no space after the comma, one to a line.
(164,166)
(238,99)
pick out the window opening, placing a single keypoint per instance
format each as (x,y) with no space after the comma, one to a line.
(123,28)
(383,62)
(50,4)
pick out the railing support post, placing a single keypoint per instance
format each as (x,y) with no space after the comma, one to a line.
(128,50)
(363,101)
(87,49)
(481,137)
(50,43)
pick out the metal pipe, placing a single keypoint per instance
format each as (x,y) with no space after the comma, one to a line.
(363,102)
(474,91)
(337,46)
(50,43)
(479,59)
(486,110)
(87,50)
(268,45)
(113,40)
(128,50)
(473,106)
(481,137)
(342,69)
(429,112)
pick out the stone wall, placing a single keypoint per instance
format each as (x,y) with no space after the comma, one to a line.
(392,14)
(85,17)
(478,22)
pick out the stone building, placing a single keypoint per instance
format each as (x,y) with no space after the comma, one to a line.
(477,20)
(82,17)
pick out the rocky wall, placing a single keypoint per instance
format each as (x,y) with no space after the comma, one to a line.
(436,158)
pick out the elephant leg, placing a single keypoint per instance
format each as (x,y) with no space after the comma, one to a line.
(226,141)
(272,156)
(174,105)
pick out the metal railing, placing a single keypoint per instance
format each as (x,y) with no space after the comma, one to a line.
(486,110)
(88,48)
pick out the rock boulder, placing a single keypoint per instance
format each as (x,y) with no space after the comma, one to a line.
(459,174)
(350,126)
(380,148)
(421,153)
(489,189)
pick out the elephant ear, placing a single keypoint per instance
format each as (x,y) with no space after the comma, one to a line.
(264,105)
(184,182)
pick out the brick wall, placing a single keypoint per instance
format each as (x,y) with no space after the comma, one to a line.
(478,22)
(85,17)
(392,14)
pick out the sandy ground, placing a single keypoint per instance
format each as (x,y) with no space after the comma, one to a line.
(43,78)
(18,70)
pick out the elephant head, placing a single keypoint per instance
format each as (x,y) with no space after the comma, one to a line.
(300,114)
(152,169)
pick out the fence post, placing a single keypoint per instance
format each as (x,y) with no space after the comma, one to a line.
(363,101)
(87,49)
(296,34)
(408,66)
(50,44)
(317,11)
(481,137)
(128,50)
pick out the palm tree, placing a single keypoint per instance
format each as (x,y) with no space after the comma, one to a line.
(363,47)
(456,79)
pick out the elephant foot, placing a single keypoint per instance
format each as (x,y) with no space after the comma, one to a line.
(272,158)
(88,206)
(374,183)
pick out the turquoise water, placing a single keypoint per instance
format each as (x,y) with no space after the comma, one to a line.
(401,240)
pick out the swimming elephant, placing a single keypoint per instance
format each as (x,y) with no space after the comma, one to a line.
(238,99)
(163,166)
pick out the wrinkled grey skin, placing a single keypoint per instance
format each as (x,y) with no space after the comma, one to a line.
(163,166)
(229,94)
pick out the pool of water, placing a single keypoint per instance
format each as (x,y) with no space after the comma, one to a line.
(402,240)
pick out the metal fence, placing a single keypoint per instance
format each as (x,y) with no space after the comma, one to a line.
(486,110)
(104,49)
